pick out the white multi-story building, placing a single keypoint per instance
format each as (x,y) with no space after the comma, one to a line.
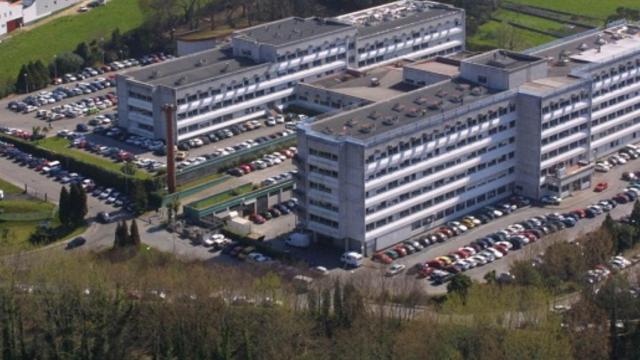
(529,123)
(260,69)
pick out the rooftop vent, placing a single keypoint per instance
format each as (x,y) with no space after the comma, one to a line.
(601,41)
(367,128)
(463,87)
(435,105)
(182,80)
(421,100)
(413,112)
(327,130)
(154,74)
(225,67)
(583,47)
(456,98)
(201,62)
(374,115)
(398,107)
(442,93)
(351,123)
(390,120)
(476,91)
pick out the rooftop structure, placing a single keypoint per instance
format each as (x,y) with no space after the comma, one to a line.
(397,14)
(290,30)
(503,59)
(436,67)
(187,70)
(418,105)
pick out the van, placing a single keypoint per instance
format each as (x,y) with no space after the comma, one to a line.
(632,147)
(298,240)
(352,259)
(53,164)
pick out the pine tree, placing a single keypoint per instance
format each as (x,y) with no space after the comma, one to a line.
(43,74)
(22,80)
(139,197)
(338,309)
(135,234)
(117,241)
(82,50)
(83,208)
(78,205)
(64,207)
(126,238)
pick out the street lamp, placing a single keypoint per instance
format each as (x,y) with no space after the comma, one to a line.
(102,48)
(26,83)
(55,66)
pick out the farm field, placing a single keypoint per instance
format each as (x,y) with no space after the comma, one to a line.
(600,9)
(65,33)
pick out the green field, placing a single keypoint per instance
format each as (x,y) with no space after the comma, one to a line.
(14,235)
(9,188)
(61,145)
(488,34)
(600,9)
(533,22)
(65,33)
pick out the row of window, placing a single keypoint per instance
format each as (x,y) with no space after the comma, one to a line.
(135,95)
(617,114)
(556,152)
(323,154)
(441,150)
(559,136)
(615,129)
(564,118)
(428,221)
(562,103)
(320,187)
(433,202)
(616,86)
(629,65)
(300,53)
(323,171)
(449,129)
(324,221)
(135,109)
(435,169)
(404,36)
(323,204)
(438,184)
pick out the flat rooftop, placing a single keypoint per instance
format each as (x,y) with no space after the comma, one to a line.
(290,30)
(390,84)
(436,67)
(503,59)
(564,55)
(418,105)
(548,85)
(394,15)
(190,69)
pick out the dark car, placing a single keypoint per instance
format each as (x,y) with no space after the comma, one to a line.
(77,242)
(275,212)
(283,209)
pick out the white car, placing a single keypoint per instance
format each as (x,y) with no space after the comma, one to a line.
(395,269)
(602,168)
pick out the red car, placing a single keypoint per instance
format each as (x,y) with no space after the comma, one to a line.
(401,251)
(601,187)
(383,258)
(258,219)
(425,271)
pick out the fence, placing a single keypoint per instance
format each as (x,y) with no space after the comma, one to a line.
(222,163)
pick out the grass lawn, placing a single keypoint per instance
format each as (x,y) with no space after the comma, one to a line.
(600,9)
(533,22)
(223,196)
(9,188)
(486,37)
(200,181)
(64,34)
(61,145)
(14,235)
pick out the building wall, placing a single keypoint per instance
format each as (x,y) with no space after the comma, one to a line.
(47,7)
(9,13)
(191,47)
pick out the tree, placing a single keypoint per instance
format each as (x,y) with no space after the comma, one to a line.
(78,199)
(459,285)
(134,236)
(128,168)
(139,197)
(83,51)
(635,214)
(122,237)
(65,63)
(22,82)
(64,207)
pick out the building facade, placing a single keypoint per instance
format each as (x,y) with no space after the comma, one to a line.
(15,14)
(530,123)
(261,67)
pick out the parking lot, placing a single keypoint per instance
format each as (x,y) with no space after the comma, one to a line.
(578,200)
